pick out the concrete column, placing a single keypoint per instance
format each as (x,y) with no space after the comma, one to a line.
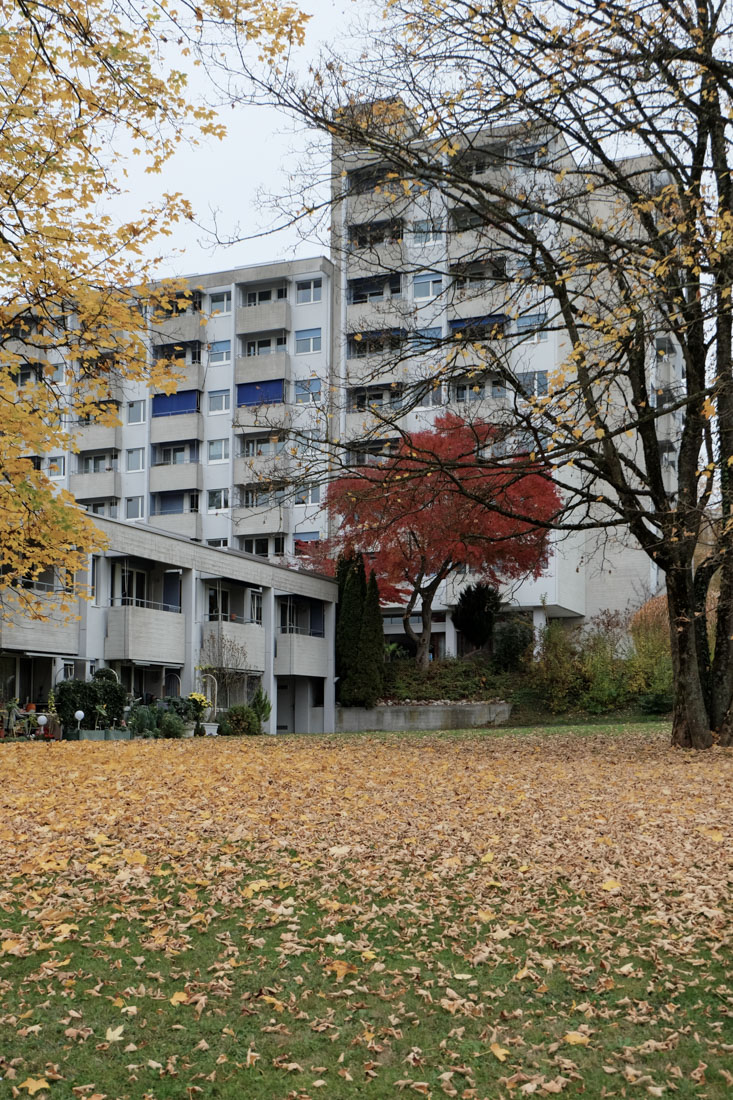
(539,622)
(189,609)
(269,684)
(451,639)
(329,686)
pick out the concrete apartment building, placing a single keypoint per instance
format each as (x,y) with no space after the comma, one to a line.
(413,270)
(162,606)
(211,461)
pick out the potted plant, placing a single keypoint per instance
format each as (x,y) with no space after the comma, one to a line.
(200,704)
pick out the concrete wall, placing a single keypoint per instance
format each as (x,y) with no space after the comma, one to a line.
(456,716)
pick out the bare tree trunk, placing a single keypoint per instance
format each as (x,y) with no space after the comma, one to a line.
(691,725)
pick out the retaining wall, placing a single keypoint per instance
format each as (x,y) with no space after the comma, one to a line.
(440,716)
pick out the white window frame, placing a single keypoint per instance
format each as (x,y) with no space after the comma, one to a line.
(310,289)
(221,311)
(140,451)
(427,231)
(224,451)
(430,280)
(59,462)
(224,355)
(223,507)
(311,337)
(138,406)
(307,391)
(227,400)
(136,512)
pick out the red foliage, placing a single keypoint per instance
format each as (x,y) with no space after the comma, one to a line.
(435,506)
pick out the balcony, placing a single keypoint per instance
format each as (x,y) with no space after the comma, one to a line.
(264,317)
(191,376)
(171,429)
(384,256)
(55,636)
(242,641)
(274,417)
(265,467)
(377,314)
(187,524)
(260,368)
(301,655)
(262,520)
(98,437)
(175,476)
(147,634)
(182,326)
(106,483)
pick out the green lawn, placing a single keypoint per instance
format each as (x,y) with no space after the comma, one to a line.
(472,914)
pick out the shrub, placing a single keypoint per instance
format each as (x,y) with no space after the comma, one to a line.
(557,671)
(240,721)
(513,639)
(73,695)
(184,708)
(261,705)
(450,678)
(474,614)
(111,698)
(143,721)
(171,725)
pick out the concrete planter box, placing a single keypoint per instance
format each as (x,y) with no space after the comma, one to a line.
(439,716)
(104,735)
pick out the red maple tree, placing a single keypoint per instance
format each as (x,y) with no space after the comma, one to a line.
(437,505)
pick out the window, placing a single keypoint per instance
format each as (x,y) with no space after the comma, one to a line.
(427,338)
(259,547)
(255,607)
(308,390)
(308,291)
(362,180)
(135,412)
(278,545)
(468,389)
(266,294)
(218,500)
(307,340)
(477,274)
(533,324)
(426,231)
(134,508)
(427,285)
(96,507)
(311,494)
(534,383)
(56,372)
(267,345)
(136,459)
(172,456)
(364,397)
(57,466)
(305,536)
(467,218)
(362,344)
(220,351)
(98,463)
(478,328)
(221,302)
(429,393)
(261,393)
(373,233)
(255,446)
(375,288)
(219,401)
(218,450)
(218,544)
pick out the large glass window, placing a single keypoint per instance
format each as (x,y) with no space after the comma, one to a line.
(220,351)
(135,412)
(308,290)
(219,401)
(221,302)
(218,450)
(136,459)
(307,340)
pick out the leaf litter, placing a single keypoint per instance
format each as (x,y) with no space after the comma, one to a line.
(470,916)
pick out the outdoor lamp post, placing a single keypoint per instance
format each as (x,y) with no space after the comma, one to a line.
(42,720)
(78,714)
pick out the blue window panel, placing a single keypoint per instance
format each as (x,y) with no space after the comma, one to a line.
(168,504)
(495,321)
(170,404)
(261,393)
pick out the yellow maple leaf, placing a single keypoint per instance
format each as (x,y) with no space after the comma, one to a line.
(34,1085)
(499,1052)
(611,884)
(488,857)
(179,998)
(341,968)
(576,1039)
(135,858)
(114,1034)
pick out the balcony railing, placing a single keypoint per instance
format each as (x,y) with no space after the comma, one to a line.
(152,605)
(309,632)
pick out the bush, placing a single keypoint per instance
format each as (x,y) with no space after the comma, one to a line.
(73,695)
(171,726)
(111,698)
(450,678)
(240,721)
(513,638)
(142,720)
(183,707)
(557,672)
(261,705)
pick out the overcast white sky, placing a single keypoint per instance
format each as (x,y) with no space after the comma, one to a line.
(226,176)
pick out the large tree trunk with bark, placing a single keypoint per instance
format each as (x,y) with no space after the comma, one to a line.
(691,720)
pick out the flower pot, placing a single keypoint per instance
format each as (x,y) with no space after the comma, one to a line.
(188,729)
(211,729)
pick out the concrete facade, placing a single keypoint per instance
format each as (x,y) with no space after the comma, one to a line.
(162,606)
